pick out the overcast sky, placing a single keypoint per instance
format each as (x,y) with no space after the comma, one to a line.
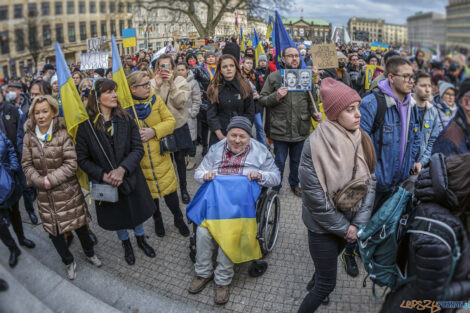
(338,12)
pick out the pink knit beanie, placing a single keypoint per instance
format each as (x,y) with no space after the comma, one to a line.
(336,97)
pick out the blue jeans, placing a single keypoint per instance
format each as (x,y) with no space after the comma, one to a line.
(281,150)
(123,234)
(259,128)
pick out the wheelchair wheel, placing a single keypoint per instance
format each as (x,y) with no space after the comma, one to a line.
(269,222)
(257,268)
(192,244)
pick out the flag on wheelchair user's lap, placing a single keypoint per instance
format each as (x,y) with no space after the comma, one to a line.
(226,207)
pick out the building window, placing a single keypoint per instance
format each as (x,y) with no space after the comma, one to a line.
(4,43)
(93,29)
(32,10)
(71,31)
(59,33)
(58,8)
(82,31)
(46,35)
(113,27)
(103,29)
(70,7)
(129,7)
(45,8)
(112,7)
(3,13)
(129,23)
(81,7)
(121,27)
(120,7)
(18,11)
(92,7)
(19,36)
(102,7)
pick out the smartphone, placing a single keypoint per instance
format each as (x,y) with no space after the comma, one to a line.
(165,66)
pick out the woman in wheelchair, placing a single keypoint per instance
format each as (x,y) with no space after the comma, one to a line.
(237,154)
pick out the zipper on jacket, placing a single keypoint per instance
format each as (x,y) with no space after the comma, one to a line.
(151,164)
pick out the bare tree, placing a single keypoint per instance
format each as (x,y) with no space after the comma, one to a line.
(206,14)
(31,37)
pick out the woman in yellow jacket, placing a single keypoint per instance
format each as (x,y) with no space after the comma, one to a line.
(156,122)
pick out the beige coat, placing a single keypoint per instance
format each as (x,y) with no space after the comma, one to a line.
(61,208)
(193,104)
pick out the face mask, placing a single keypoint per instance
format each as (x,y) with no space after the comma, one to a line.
(303,52)
(192,62)
(341,64)
(11,96)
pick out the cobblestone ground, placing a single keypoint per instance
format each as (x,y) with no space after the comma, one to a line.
(280,289)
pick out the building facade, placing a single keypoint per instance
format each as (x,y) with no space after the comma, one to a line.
(458,24)
(315,30)
(369,30)
(28,30)
(426,29)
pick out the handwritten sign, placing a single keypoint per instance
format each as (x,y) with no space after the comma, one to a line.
(370,69)
(193,35)
(200,42)
(93,60)
(324,56)
(95,44)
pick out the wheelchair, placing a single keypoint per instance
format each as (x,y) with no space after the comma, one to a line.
(268,213)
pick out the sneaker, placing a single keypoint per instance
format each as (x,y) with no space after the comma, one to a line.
(191,163)
(222,294)
(350,264)
(198,284)
(95,261)
(71,274)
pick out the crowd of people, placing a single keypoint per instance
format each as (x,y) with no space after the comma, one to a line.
(375,134)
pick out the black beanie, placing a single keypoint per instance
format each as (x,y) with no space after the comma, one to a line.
(233,49)
(464,88)
(240,122)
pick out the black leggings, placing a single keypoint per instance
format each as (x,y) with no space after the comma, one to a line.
(181,167)
(5,235)
(61,245)
(324,250)
(173,203)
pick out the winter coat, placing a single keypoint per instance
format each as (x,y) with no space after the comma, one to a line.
(387,170)
(135,203)
(175,99)
(357,77)
(428,258)
(331,72)
(455,138)
(318,213)
(231,103)
(10,163)
(203,78)
(445,114)
(289,118)
(429,132)
(14,122)
(258,83)
(193,104)
(61,208)
(158,169)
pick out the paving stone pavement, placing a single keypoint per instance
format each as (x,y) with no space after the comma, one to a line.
(280,289)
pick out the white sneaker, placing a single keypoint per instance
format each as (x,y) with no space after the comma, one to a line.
(95,261)
(71,274)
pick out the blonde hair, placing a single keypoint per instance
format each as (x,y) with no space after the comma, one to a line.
(85,81)
(40,99)
(134,78)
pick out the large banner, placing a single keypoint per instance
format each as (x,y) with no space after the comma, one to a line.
(93,60)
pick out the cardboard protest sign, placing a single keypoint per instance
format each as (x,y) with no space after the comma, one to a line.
(427,54)
(193,35)
(93,60)
(96,44)
(200,42)
(370,69)
(175,34)
(297,79)
(324,56)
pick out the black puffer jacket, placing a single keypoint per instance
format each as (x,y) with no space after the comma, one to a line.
(203,79)
(428,257)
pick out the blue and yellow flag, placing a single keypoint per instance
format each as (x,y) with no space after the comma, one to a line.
(123,92)
(226,207)
(282,40)
(128,37)
(242,40)
(269,30)
(72,105)
(250,41)
(259,50)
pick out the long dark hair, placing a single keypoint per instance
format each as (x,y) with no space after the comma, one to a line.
(218,80)
(103,85)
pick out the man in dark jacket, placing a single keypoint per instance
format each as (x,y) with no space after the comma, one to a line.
(289,116)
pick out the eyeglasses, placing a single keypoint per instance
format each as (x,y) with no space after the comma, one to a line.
(147,84)
(292,56)
(409,78)
(450,95)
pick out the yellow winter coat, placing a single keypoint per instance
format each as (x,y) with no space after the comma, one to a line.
(158,170)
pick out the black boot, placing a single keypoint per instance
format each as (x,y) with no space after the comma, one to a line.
(181,225)
(185,195)
(26,243)
(128,252)
(33,217)
(3,285)
(14,254)
(159,228)
(350,264)
(204,150)
(142,244)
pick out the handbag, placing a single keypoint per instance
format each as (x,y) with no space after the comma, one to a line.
(103,192)
(168,143)
(349,196)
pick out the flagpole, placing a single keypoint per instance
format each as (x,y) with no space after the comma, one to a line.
(313,102)
(136,118)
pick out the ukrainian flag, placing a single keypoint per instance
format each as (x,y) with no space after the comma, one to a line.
(123,92)
(250,41)
(269,30)
(282,40)
(259,50)
(226,207)
(242,40)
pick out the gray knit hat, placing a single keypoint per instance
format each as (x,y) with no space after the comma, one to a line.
(240,122)
(262,57)
(443,86)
